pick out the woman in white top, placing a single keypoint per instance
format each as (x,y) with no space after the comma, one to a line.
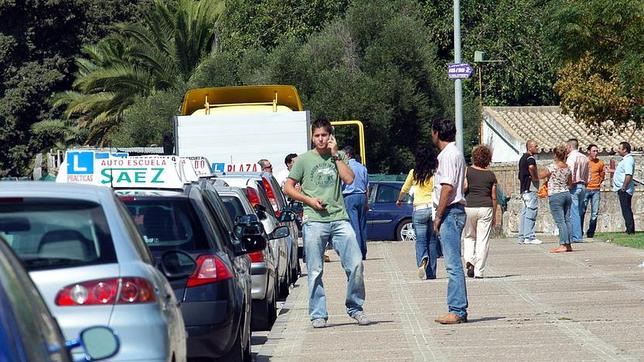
(559,180)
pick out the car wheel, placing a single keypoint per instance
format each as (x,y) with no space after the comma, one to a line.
(246,350)
(237,352)
(405,231)
(295,272)
(283,288)
(264,312)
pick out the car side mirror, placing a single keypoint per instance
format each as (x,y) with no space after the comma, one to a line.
(98,342)
(287,215)
(279,232)
(259,207)
(250,232)
(176,264)
(253,243)
(297,207)
(261,213)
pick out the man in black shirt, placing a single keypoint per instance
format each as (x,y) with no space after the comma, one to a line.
(529,184)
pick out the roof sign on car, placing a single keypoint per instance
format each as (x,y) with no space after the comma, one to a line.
(156,172)
(79,165)
(201,165)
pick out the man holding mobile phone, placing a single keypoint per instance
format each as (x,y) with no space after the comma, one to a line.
(320,173)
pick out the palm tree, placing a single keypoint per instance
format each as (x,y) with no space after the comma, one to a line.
(160,52)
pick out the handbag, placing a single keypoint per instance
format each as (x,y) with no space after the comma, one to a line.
(543,190)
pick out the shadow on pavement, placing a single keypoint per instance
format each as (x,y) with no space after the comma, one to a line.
(484,319)
(255,340)
(284,310)
(373,323)
(501,276)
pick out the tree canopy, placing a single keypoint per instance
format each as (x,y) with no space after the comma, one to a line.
(118,69)
(600,45)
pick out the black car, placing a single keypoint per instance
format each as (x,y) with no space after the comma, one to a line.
(215,299)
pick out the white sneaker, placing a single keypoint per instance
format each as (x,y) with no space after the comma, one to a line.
(533,241)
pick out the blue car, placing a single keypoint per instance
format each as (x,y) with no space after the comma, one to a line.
(385,220)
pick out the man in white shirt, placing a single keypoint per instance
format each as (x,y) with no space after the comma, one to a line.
(624,185)
(578,164)
(449,204)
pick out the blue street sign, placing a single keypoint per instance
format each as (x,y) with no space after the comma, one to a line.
(459,71)
(80,163)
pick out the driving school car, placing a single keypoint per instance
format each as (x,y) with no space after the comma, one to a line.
(173,213)
(91,266)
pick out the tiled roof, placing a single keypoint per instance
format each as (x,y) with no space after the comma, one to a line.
(547,126)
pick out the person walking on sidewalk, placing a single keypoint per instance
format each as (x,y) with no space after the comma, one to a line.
(356,199)
(578,164)
(325,220)
(421,179)
(449,219)
(596,175)
(624,185)
(480,197)
(528,186)
(559,178)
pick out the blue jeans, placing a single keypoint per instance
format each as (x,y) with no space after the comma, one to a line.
(451,228)
(594,197)
(356,208)
(560,205)
(426,242)
(340,234)
(528,216)
(578,194)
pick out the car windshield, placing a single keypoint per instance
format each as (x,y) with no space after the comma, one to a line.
(168,223)
(233,206)
(56,233)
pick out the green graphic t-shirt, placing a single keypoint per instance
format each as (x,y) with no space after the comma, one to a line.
(318,176)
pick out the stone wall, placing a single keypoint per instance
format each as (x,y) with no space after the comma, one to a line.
(609,218)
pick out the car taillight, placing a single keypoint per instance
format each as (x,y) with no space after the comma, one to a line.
(256,256)
(128,290)
(252,195)
(271,195)
(210,269)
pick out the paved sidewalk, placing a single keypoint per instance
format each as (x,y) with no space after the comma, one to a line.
(584,305)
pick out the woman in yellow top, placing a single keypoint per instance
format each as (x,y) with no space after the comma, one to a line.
(421,179)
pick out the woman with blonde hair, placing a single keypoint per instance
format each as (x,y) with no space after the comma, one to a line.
(559,178)
(480,197)
(421,178)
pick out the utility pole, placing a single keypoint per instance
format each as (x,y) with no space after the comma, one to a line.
(458,87)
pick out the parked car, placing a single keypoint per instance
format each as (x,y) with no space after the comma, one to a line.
(216,298)
(92,267)
(265,183)
(386,221)
(28,331)
(263,272)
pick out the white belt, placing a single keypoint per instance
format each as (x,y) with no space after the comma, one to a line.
(422,206)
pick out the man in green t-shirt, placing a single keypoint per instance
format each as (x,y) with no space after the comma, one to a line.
(325,220)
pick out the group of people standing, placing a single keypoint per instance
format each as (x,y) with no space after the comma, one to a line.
(451,201)
(573,182)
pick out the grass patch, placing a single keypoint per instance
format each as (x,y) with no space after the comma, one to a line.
(634,241)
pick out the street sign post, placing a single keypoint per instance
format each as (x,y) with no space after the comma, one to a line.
(459,71)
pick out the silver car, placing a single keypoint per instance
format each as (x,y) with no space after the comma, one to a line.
(92,267)
(281,247)
(263,267)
